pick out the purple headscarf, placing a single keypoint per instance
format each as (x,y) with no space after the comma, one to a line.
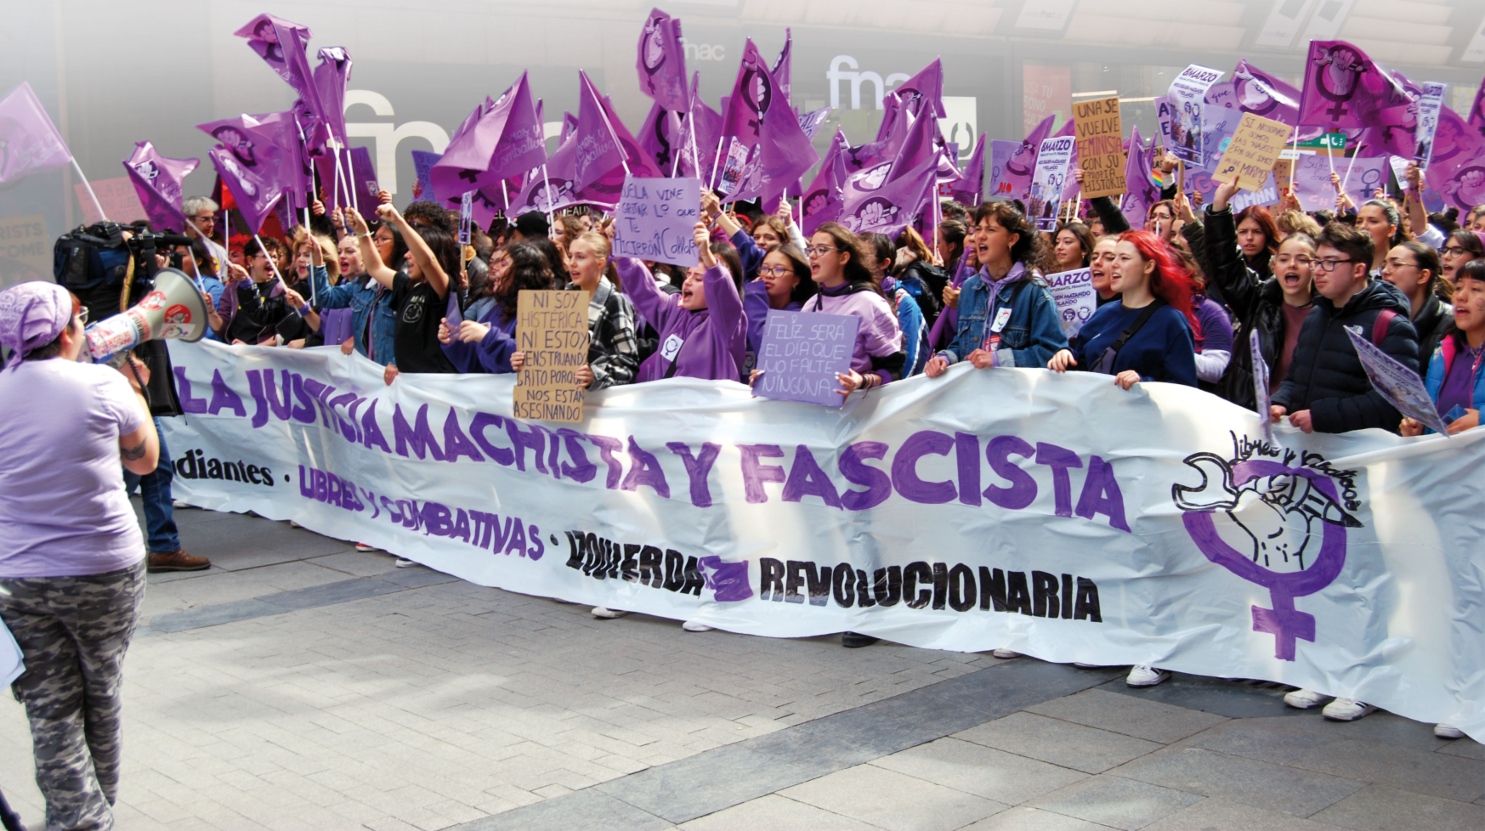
(32,315)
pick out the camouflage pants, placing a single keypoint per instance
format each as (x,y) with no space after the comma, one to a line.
(73,632)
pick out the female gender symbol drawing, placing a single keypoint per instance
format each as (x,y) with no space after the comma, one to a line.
(1271,511)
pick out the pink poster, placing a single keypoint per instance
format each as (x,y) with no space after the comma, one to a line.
(1045,90)
(117,197)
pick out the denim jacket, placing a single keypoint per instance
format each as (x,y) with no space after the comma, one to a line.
(364,303)
(1029,338)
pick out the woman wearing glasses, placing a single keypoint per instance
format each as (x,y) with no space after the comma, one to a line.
(1414,269)
(846,287)
(783,283)
(1462,246)
(1006,316)
(1274,307)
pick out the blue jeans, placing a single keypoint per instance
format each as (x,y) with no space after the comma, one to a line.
(159,505)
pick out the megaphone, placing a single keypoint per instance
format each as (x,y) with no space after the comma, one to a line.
(174,310)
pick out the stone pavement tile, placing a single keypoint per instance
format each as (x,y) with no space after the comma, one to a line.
(982,771)
(1465,748)
(774,811)
(356,563)
(1242,779)
(1115,801)
(208,588)
(1138,717)
(1031,819)
(1328,748)
(1060,742)
(1232,698)
(581,810)
(1383,809)
(1221,815)
(892,800)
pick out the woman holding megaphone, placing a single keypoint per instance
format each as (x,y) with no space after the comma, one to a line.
(72,564)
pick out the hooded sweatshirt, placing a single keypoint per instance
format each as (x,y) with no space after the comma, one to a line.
(705,343)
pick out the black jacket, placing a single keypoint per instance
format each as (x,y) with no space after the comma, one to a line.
(1326,377)
(1431,324)
(1255,300)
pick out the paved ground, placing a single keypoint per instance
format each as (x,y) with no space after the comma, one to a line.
(300,684)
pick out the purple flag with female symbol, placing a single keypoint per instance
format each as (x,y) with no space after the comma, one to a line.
(661,138)
(1260,93)
(662,62)
(267,146)
(255,196)
(1457,170)
(753,95)
(1344,88)
(29,142)
(157,179)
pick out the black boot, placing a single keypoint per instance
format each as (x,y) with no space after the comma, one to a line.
(856,640)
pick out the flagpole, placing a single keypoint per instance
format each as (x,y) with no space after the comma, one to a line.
(313,299)
(711,182)
(546,186)
(623,154)
(102,217)
(271,263)
(1347,178)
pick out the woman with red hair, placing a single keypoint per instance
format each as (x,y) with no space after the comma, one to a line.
(1147,335)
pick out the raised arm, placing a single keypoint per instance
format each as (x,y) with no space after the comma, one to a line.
(422,255)
(370,257)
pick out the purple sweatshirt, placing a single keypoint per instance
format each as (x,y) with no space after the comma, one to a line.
(707,343)
(877,335)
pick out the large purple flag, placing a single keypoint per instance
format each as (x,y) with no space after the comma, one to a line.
(29,142)
(157,180)
(662,62)
(707,123)
(1343,88)
(1142,190)
(331,77)
(1477,110)
(281,45)
(267,146)
(254,195)
(1260,93)
(924,90)
(782,67)
(872,205)
(1457,169)
(821,201)
(661,137)
(753,95)
(783,154)
(884,149)
(505,141)
(598,151)
(919,150)
(971,183)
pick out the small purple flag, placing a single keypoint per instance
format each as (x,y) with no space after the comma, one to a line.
(331,77)
(1260,93)
(29,142)
(781,67)
(1142,191)
(707,123)
(505,141)
(662,62)
(281,45)
(924,90)
(1021,165)
(255,196)
(971,183)
(157,180)
(267,146)
(783,155)
(820,201)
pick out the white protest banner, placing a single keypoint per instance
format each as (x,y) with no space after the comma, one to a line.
(1187,99)
(1429,105)
(1052,161)
(1076,300)
(1260,386)
(1072,520)
(1401,386)
(656,220)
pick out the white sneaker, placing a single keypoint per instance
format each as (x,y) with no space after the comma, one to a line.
(176,503)
(1347,709)
(1447,731)
(1143,676)
(605,613)
(1005,654)
(695,626)
(1304,699)
(293,524)
(363,547)
(403,562)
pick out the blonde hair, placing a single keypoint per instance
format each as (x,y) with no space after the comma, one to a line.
(328,253)
(601,249)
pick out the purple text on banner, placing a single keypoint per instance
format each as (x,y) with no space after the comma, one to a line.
(656,220)
(801,354)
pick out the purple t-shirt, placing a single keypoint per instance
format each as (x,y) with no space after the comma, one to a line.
(63,511)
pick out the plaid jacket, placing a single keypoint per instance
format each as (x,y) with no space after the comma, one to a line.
(613,348)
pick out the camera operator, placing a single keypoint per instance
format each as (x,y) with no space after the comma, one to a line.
(71,555)
(108,294)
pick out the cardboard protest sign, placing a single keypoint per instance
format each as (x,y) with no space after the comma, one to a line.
(801,354)
(1428,122)
(1187,99)
(1401,386)
(552,329)
(1076,301)
(1250,156)
(1100,143)
(1052,161)
(656,220)
(1260,387)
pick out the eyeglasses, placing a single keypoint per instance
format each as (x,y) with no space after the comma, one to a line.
(1396,264)
(820,250)
(1286,259)
(82,315)
(1330,264)
(1454,250)
(204,218)
(777,270)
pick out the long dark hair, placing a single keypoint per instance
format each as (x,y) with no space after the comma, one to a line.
(399,248)
(804,285)
(446,250)
(857,273)
(553,255)
(1028,250)
(529,270)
